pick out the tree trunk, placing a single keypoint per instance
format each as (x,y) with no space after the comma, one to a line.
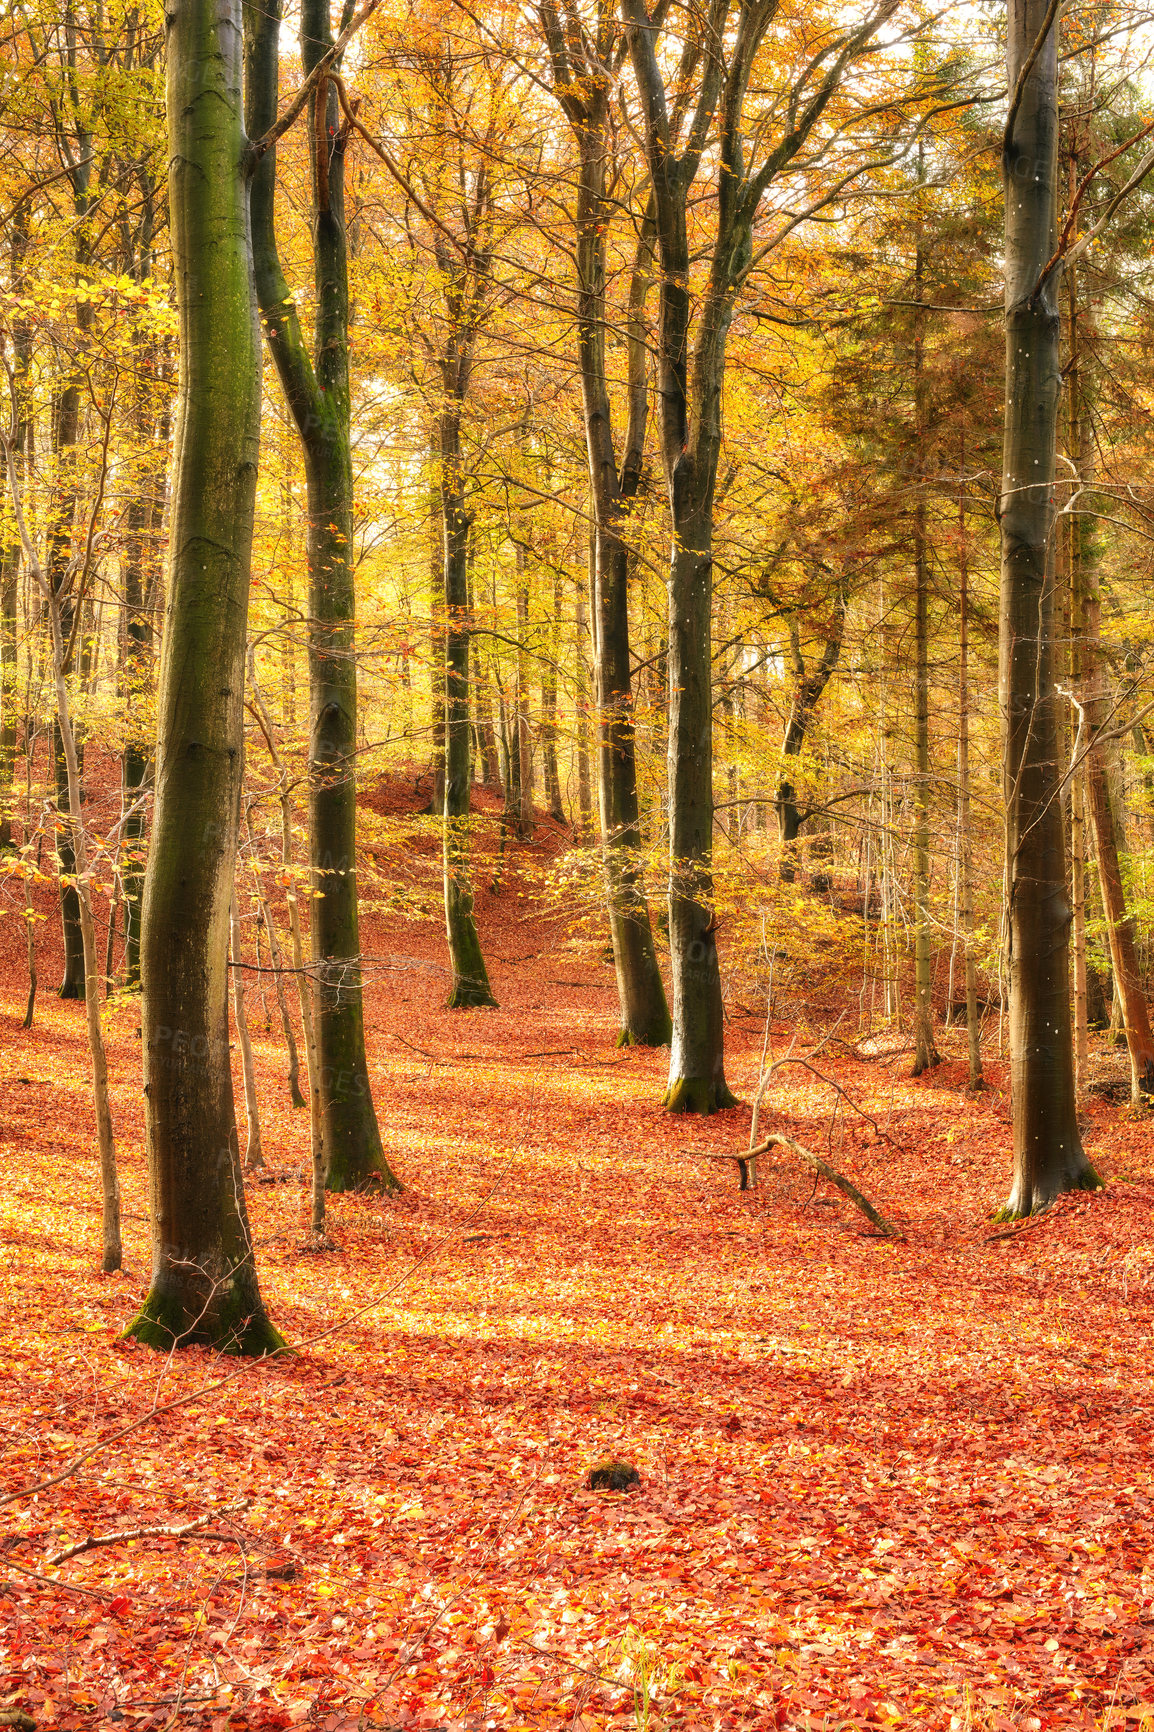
(1084,544)
(966,861)
(1048,1153)
(470,977)
(317,393)
(204,1283)
(809,684)
(926,1054)
(137,677)
(254,1155)
(10,555)
(696,1062)
(523,726)
(65,438)
(581,637)
(551,771)
(582,87)
(276,958)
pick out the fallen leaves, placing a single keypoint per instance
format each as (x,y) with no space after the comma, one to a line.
(882,1484)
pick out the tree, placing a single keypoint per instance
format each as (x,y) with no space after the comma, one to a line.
(582,74)
(1048,1153)
(204,1284)
(317,392)
(720,49)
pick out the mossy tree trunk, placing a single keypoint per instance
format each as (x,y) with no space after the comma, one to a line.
(1048,1153)
(204,1281)
(581,82)
(317,392)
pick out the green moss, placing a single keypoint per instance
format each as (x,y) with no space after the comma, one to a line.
(697,1094)
(658,1033)
(470,995)
(234,1327)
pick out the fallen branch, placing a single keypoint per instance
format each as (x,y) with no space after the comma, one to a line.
(777,1140)
(18,1718)
(166,1531)
(744,1162)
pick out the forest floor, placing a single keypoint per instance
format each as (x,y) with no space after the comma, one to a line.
(883,1483)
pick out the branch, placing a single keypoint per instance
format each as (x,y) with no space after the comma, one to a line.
(402,180)
(777,1140)
(323,68)
(170,1531)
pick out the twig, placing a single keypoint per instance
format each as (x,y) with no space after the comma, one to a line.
(55,1581)
(169,1531)
(837,1088)
(777,1140)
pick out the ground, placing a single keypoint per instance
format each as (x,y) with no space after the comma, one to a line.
(883,1483)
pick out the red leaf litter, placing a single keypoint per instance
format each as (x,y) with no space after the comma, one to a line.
(893,1483)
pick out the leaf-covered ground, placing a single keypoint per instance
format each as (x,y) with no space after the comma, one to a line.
(882,1484)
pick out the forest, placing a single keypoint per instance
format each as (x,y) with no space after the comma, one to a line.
(576,836)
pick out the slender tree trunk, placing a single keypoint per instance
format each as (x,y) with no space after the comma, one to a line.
(1048,1153)
(299,963)
(66,436)
(317,392)
(10,554)
(470,977)
(926,1054)
(204,1281)
(254,1155)
(583,91)
(809,684)
(549,708)
(966,857)
(1078,889)
(437,644)
(581,635)
(696,1066)
(137,677)
(276,958)
(523,725)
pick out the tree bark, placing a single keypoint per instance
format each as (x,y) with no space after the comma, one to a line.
(204,1285)
(317,393)
(1048,1153)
